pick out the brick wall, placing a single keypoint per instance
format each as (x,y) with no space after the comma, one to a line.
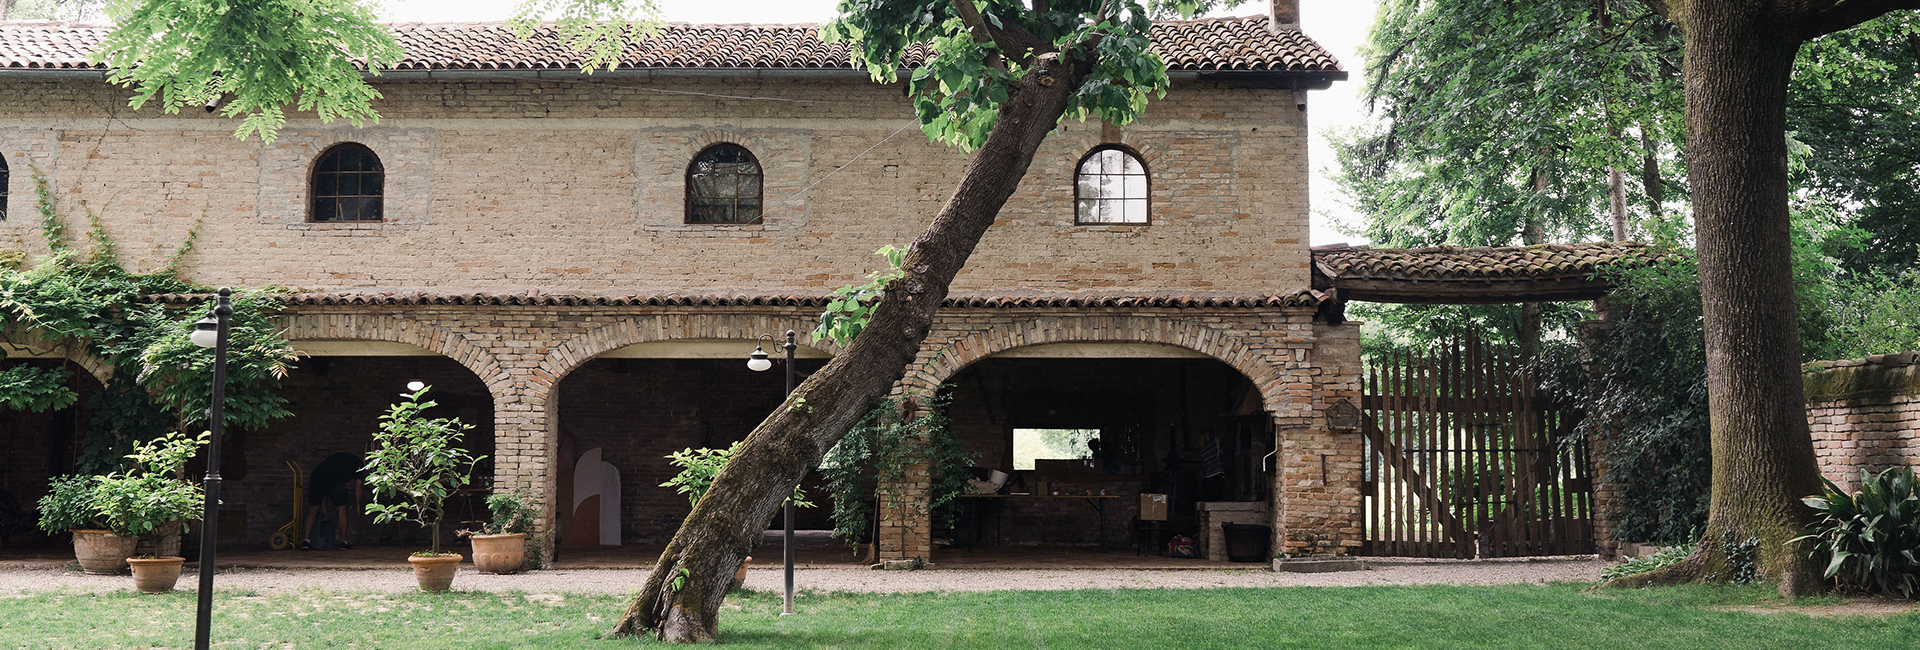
(1865,415)
(508,186)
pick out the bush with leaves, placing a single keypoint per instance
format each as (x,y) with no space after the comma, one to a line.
(1666,557)
(138,501)
(1871,538)
(68,505)
(877,458)
(416,463)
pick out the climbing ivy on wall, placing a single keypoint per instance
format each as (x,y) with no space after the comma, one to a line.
(879,455)
(161,381)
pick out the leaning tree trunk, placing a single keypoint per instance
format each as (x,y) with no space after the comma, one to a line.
(1738,62)
(680,601)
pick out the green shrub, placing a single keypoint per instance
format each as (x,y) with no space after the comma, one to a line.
(68,505)
(1668,556)
(135,502)
(1871,539)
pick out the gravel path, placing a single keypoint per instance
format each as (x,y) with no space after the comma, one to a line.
(586,581)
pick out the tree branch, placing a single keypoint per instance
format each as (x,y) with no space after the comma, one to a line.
(971,16)
(1660,7)
(1846,14)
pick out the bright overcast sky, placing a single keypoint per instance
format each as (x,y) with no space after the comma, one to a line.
(1339,25)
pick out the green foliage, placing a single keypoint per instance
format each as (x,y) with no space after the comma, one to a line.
(36,389)
(161,380)
(700,466)
(416,463)
(1876,312)
(1855,104)
(513,511)
(851,306)
(878,456)
(68,504)
(1493,115)
(599,28)
(139,500)
(253,57)
(1870,538)
(1667,557)
(976,59)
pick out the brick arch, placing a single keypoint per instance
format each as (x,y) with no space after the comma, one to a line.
(396,329)
(568,356)
(935,368)
(68,349)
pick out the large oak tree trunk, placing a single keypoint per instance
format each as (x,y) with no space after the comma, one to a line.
(1738,62)
(680,601)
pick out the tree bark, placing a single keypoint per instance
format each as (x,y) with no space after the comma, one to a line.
(1650,173)
(1739,59)
(680,600)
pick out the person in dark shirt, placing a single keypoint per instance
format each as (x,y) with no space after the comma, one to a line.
(335,480)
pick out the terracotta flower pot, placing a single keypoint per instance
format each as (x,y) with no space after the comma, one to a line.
(101,552)
(155,575)
(435,573)
(740,576)
(499,553)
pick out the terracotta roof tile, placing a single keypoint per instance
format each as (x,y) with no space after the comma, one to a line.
(1301,299)
(1450,263)
(1218,44)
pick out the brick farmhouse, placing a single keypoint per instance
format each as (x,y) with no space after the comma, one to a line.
(581,263)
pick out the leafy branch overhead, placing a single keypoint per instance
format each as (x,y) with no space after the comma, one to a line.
(255,59)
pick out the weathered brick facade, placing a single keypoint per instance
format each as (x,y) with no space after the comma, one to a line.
(1865,416)
(503,192)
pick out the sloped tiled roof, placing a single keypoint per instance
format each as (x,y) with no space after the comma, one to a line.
(1307,298)
(1455,263)
(1218,44)
(1455,275)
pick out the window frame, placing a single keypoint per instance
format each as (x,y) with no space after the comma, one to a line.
(6,176)
(687,182)
(1146,172)
(313,184)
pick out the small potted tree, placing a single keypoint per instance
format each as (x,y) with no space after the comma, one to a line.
(501,547)
(415,464)
(68,507)
(144,500)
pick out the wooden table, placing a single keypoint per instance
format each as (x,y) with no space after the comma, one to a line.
(1097,501)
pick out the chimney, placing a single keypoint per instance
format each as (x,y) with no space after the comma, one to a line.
(1283,15)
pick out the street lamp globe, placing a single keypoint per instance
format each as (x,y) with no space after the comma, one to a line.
(416,385)
(206,332)
(758,361)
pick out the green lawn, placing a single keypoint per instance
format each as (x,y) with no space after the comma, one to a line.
(1296,617)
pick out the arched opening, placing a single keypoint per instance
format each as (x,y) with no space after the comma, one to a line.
(337,392)
(40,446)
(621,413)
(1181,440)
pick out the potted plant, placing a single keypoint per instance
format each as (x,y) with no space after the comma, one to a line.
(416,462)
(147,499)
(68,507)
(501,547)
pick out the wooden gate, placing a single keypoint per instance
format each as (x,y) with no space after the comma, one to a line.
(1465,458)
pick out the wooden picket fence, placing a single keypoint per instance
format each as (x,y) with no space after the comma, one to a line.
(1466,458)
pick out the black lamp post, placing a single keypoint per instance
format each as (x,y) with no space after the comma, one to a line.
(758,362)
(211,332)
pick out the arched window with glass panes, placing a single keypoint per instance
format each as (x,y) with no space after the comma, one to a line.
(723,186)
(349,184)
(1110,186)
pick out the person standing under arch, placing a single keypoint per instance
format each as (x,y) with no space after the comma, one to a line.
(337,480)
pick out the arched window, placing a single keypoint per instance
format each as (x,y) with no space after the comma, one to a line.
(723,186)
(348,183)
(1110,187)
(3,188)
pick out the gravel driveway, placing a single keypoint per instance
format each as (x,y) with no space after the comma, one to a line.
(600,581)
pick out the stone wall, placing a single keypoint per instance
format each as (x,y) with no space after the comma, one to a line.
(1865,415)
(577,187)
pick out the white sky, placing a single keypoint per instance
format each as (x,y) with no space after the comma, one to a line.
(1339,25)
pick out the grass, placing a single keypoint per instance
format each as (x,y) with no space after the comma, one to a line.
(1561,616)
